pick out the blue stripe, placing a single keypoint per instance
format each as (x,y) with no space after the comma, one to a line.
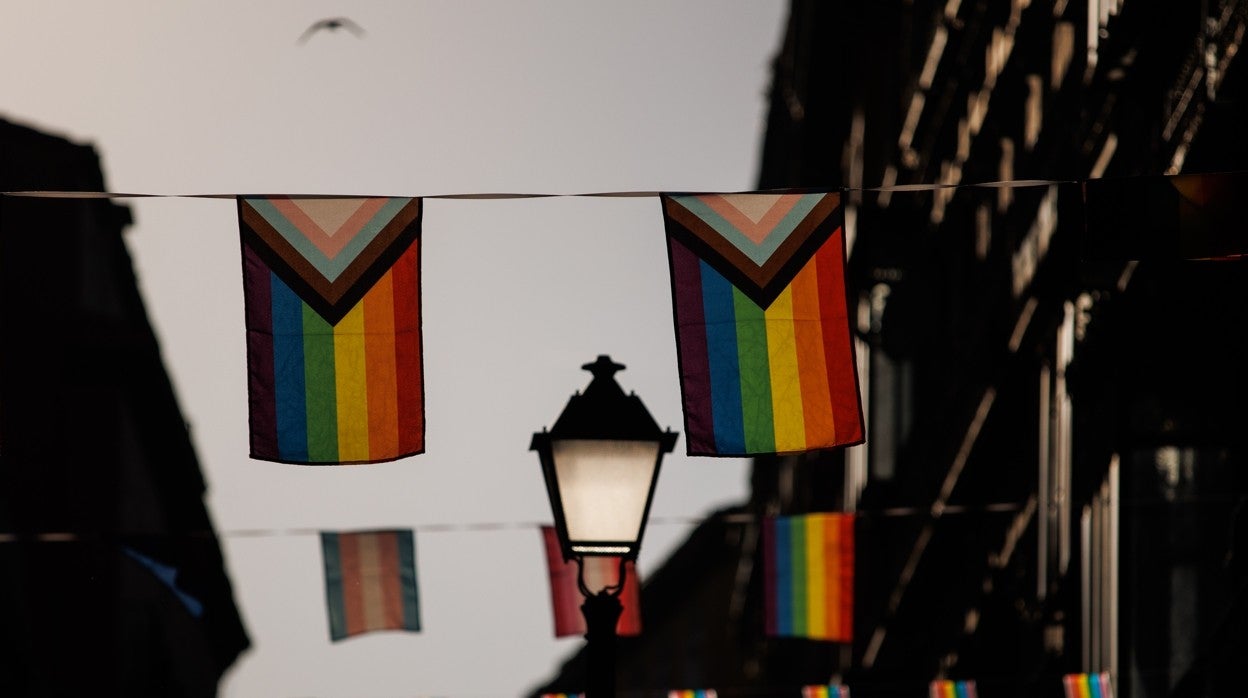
(721,355)
(1094,685)
(288,375)
(407,574)
(784,576)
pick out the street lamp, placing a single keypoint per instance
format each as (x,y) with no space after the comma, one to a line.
(601,462)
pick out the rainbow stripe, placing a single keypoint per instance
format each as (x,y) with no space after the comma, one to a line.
(698,693)
(563,695)
(764,369)
(348,392)
(808,576)
(943,688)
(1088,685)
(828,691)
(370,582)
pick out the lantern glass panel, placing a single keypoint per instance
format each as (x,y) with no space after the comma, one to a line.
(604,486)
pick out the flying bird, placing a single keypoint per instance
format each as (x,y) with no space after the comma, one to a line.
(331,24)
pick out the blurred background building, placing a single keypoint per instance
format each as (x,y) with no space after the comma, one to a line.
(111,577)
(1054,478)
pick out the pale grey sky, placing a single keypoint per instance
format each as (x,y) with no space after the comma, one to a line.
(438,97)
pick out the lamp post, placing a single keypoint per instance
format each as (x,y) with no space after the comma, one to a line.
(601,461)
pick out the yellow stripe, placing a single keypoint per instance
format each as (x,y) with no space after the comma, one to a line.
(816,578)
(786,386)
(351,383)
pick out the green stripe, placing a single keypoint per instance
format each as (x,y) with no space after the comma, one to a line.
(797,543)
(760,430)
(322,398)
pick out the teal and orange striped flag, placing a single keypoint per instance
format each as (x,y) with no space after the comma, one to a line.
(808,576)
(762,324)
(826,691)
(370,582)
(332,294)
(1088,685)
(944,688)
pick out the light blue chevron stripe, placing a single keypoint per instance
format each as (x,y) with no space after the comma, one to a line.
(329,268)
(759,254)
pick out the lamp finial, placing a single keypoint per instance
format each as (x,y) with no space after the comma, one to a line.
(603,367)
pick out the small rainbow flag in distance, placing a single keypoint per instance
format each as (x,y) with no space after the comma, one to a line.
(600,571)
(808,576)
(370,582)
(699,693)
(332,294)
(1088,685)
(563,695)
(762,327)
(944,688)
(828,691)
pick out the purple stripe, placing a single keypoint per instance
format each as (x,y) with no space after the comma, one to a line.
(259,317)
(695,370)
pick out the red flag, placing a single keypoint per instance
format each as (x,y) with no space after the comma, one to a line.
(566,597)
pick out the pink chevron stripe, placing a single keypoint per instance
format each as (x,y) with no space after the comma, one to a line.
(757,232)
(329,243)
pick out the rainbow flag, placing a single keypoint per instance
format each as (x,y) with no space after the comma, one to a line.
(370,582)
(808,576)
(1088,685)
(943,688)
(762,327)
(332,294)
(698,693)
(600,571)
(563,695)
(829,691)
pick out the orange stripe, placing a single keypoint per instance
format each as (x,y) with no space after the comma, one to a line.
(832,574)
(383,402)
(353,603)
(811,360)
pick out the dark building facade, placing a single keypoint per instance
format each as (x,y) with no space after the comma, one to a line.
(111,578)
(1054,478)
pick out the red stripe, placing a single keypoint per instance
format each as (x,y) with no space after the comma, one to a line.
(565,599)
(837,342)
(847,577)
(407,349)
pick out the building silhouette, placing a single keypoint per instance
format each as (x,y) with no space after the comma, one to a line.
(1054,478)
(111,578)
